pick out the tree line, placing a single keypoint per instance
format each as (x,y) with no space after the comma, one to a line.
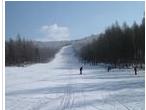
(118,44)
(20,51)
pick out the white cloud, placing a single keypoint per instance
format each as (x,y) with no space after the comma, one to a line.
(55,32)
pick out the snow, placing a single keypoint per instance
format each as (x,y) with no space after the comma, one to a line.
(58,86)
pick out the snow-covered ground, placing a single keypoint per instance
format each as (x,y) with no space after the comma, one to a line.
(58,86)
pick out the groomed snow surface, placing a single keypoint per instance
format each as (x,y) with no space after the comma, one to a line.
(58,86)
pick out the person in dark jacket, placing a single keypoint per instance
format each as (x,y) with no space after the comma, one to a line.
(135,70)
(109,68)
(81,68)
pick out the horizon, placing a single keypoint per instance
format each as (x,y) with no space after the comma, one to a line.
(65,20)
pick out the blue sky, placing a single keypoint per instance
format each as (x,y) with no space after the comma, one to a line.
(50,20)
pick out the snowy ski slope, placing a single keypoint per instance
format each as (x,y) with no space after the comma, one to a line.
(58,86)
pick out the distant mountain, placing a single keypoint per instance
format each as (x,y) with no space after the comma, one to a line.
(52,44)
(77,44)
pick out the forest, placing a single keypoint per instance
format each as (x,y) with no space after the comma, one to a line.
(117,45)
(20,52)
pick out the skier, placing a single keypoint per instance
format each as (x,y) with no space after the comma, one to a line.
(108,68)
(81,68)
(135,70)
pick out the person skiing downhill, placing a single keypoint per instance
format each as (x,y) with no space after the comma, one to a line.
(81,68)
(135,69)
(109,68)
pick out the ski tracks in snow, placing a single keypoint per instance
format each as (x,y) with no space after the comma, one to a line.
(68,98)
(73,95)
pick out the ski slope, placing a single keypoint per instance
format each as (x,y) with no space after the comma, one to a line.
(58,86)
